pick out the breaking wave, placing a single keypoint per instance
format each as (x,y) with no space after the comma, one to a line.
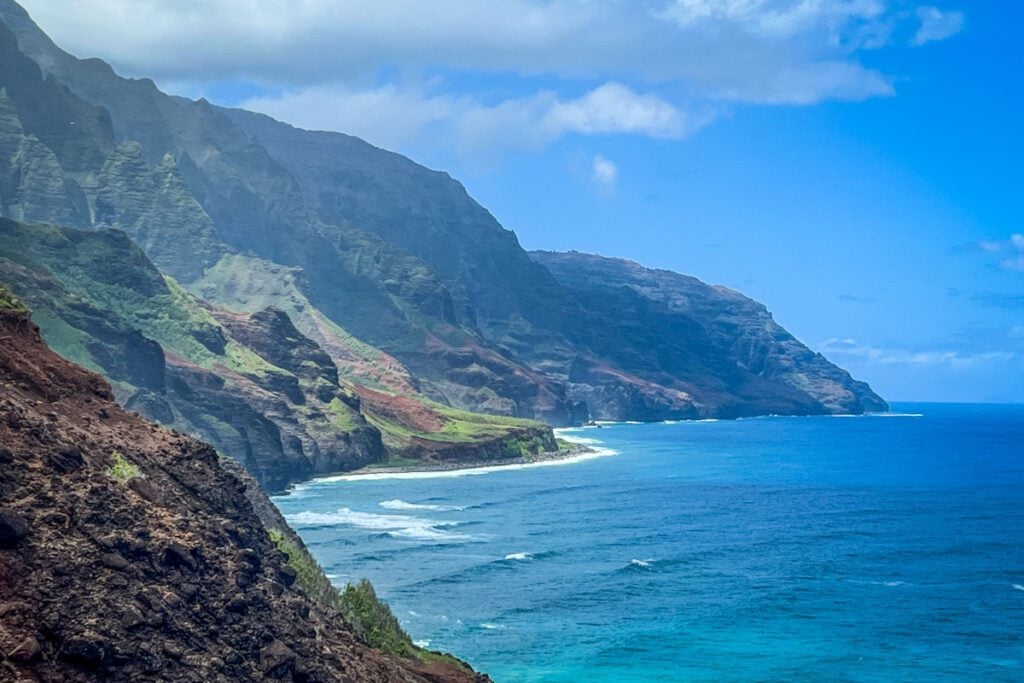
(397,504)
(394,526)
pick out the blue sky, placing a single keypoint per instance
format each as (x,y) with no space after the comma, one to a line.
(854,164)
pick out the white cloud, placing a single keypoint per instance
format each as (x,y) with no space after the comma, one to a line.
(708,46)
(775,18)
(1012,247)
(874,355)
(606,173)
(667,65)
(937,25)
(391,116)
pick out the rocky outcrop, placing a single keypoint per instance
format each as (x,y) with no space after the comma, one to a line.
(128,553)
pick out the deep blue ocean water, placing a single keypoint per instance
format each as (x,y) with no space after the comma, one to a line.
(827,549)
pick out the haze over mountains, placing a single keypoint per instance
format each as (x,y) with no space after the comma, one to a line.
(328,302)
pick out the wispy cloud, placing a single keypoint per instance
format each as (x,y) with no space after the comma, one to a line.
(391,117)
(1011,250)
(606,173)
(875,355)
(937,25)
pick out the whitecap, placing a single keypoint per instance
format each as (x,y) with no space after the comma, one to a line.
(397,504)
(421,643)
(581,440)
(519,556)
(889,584)
(1018,587)
(593,454)
(493,627)
(397,526)
(643,564)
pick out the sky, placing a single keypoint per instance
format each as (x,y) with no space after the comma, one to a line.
(853,164)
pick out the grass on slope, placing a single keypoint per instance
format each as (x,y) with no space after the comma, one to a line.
(83,262)
(358,603)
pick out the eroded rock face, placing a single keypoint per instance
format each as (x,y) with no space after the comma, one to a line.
(128,553)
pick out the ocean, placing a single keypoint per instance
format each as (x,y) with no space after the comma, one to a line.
(869,548)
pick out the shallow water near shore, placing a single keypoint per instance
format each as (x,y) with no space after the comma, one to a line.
(861,549)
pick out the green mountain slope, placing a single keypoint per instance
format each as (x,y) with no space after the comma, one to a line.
(394,255)
(250,383)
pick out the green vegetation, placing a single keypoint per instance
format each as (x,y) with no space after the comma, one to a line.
(459,426)
(310,578)
(342,416)
(375,621)
(358,603)
(9,302)
(122,469)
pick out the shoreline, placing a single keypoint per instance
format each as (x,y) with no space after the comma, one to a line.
(578,452)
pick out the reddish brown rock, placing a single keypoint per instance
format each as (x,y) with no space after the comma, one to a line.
(98,582)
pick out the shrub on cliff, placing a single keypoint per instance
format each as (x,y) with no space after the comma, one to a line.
(374,620)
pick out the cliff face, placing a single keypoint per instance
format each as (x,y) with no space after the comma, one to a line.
(127,552)
(383,257)
(249,383)
(719,352)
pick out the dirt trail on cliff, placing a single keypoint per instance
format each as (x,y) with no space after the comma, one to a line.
(128,552)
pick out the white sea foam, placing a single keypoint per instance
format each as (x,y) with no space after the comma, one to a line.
(1018,587)
(848,415)
(397,504)
(519,556)
(472,471)
(644,564)
(889,584)
(582,440)
(421,643)
(895,415)
(398,526)
(492,627)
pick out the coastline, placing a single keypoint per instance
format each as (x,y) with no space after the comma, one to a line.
(581,450)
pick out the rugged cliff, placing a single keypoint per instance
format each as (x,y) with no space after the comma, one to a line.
(127,552)
(250,383)
(380,254)
(691,348)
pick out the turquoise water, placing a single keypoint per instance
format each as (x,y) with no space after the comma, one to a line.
(841,549)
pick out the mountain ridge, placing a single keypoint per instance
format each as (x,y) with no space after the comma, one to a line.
(402,259)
